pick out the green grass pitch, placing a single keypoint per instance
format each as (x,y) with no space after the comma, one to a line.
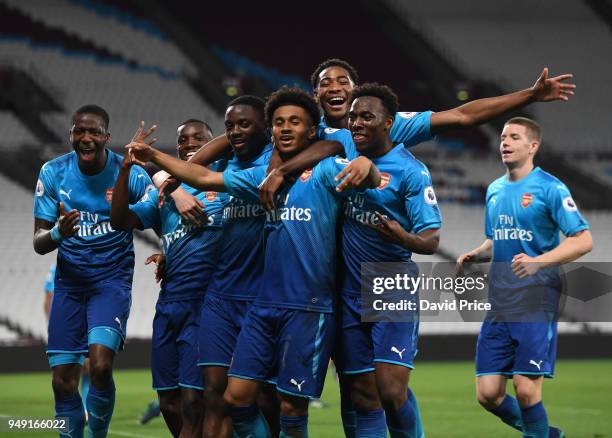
(579,399)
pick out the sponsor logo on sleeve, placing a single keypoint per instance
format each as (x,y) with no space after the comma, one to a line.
(330,130)
(407,115)
(430,196)
(342,161)
(569,204)
(40,189)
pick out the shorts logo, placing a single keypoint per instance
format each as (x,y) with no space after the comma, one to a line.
(109,195)
(536,364)
(526,200)
(569,204)
(305,176)
(40,189)
(118,321)
(343,161)
(399,353)
(430,196)
(385,178)
(298,385)
(210,196)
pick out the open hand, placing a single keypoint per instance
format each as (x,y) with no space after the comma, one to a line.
(160,265)
(67,222)
(546,90)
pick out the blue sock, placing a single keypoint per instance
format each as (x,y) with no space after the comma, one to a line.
(100,405)
(294,426)
(371,424)
(349,422)
(509,412)
(84,389)
(403,423)
(71,408)
(249,421)
(417,413)
(535,421)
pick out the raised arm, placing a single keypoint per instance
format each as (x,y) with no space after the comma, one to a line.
(219,147)
(121,217)
(483,110)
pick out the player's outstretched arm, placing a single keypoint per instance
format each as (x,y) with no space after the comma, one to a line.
(425,242)
(478,255)
(219,147)
(48,236)
(479,111)
(121,217)
(279,170)
(569,250)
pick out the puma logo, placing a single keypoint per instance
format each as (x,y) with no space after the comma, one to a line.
(66,193)
(299,385)
(536,364)
(399,353)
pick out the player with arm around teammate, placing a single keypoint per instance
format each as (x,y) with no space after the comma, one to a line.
(524,213)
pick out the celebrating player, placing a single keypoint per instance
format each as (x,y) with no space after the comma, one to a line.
(525,210)
(384,225)
(191,253)
(95,264)
(290,325)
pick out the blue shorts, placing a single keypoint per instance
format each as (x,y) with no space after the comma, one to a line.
(220,325)
(293,345)
(76,313)
(174,349)
(527,348)
(360,344)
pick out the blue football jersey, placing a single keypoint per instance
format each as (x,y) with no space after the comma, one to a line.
(96,253)
(50,280)
(241,261)
(409,128)
(188,247)
(526,216)
(300,248)
(405,195)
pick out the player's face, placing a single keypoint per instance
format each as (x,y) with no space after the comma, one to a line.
(191,137)
(369,123)
(244,129)
(292,129)
(333,92)
(516,147)
(89,137)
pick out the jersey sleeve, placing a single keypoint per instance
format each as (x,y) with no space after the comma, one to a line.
(411,128)
(50,280)
(244,184)
(45,197)
(147,211)
(488,227)
(139,184)
(420,201)
(564,210)
(345,138)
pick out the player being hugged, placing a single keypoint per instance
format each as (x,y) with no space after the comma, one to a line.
(95,265)
(191,250)
(525,210)
(289,329)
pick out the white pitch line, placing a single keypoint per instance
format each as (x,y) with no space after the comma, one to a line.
(128,434)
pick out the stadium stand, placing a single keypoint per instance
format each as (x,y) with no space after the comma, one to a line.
(23,271)
(14,133)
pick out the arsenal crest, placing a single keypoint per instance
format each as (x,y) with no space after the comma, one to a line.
(526,200)
(210,196)
(385,178)
(305,176)
(109,195)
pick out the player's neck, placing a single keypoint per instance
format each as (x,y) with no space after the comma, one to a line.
(97,167)
(337,123)
(252,152)
(380,149)
(517,173)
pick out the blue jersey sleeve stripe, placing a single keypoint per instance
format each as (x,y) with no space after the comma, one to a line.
(427,227)
(45,217)
(577,229)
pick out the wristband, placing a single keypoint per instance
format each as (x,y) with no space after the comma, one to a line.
(56,236)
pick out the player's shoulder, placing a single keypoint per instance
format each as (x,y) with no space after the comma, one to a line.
(497,184)
(59,163)
(411,165)
(332,134)
(547,179)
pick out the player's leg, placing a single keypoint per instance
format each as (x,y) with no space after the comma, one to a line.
(306,340)
(392,383)
(192,412)
(269,405)
(347,410)
(254,358)
(370,416)
(85,385)
(108,307)
(165,366)
(494,359)
(67,345)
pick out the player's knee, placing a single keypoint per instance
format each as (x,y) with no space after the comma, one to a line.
(192,407)
(526,394)
(489,398)
(101,373)
(365,396)
(64,384)
(169,404)
(392,396)
(294,407)
(233,399)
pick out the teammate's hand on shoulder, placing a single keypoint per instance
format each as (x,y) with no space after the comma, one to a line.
(160,265)
(353,174)
(546,90)
(68,222)
(524,266)
(269,187)
(189,207)
(166,189)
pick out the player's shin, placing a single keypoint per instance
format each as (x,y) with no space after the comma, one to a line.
(415,405)
(294,426)
(535,421)
(100,405)
(71,408)
(347,410)
(248,421)
(509,412)
(371,424)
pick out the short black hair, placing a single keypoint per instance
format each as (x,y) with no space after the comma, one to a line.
(201,122)
(92,109)
(383,92)
(333,62)
(253,101)
(292,96)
